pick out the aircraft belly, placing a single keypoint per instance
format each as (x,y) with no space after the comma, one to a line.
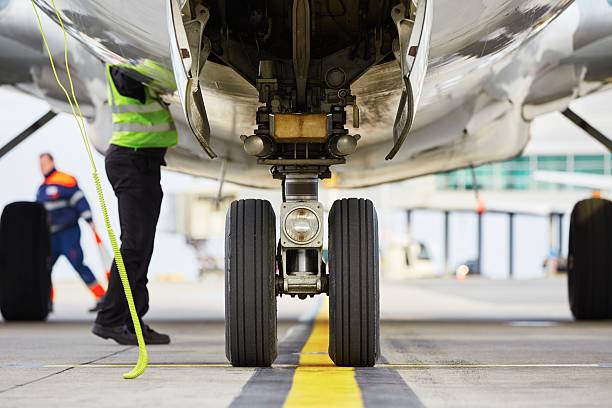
(480,28)
(466,45)
(117,30)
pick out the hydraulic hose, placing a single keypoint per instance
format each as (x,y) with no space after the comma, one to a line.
(141,365)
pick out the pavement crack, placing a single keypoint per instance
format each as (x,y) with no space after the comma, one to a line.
(17,386)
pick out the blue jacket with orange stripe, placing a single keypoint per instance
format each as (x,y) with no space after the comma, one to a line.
(64,200)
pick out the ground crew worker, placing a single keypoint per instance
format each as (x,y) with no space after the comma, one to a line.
(65,204)
(142,131)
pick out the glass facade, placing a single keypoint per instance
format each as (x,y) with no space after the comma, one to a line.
(517,174)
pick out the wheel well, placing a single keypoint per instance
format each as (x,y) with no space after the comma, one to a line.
(243,32)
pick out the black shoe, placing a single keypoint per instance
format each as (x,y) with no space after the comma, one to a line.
(120,334)
(153,337)
(98,306)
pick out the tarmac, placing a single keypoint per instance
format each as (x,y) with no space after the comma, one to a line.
(443,343)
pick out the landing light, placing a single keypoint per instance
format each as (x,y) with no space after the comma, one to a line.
(301,225)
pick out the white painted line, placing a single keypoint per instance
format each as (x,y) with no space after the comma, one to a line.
(390,365)
(464,366)
(160,365)
(533,323)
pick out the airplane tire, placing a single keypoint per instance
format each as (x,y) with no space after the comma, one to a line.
(25,269)
(590,260)
(250,296)
(354,317)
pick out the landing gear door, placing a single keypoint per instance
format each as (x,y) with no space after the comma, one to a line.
(413,19)
(189,50)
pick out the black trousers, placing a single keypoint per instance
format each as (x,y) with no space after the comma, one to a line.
(135,177)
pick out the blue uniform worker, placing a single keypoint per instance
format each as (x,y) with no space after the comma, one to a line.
(65,204)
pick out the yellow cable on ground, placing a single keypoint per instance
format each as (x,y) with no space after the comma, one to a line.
(141,365)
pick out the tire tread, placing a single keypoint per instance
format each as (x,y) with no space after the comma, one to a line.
(250,284)
(354,313)
(590,260)
(25,268)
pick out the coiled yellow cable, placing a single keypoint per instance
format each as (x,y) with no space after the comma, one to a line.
(141,365)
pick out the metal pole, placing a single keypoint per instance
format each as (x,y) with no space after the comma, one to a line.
(560,238)
(479,256)
(552,247)
(221,183)
(13,143)
(409,220)
(446,241)
(551,233)
(584,125)
(511,245)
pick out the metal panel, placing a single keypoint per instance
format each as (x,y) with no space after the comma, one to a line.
(294,127)
(414,39)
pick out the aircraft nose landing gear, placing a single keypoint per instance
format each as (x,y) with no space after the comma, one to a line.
(252,283)
(301,132)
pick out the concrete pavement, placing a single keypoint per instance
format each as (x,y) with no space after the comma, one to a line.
(444,343)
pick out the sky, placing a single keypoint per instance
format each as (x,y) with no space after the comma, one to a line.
(20,178)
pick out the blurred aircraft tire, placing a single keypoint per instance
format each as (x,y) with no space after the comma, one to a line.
(590,260)
(25,270)
(250,282)
(354,339)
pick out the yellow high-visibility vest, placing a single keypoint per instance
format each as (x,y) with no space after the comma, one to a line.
(139,125)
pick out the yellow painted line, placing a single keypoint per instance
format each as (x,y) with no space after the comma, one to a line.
(317,381)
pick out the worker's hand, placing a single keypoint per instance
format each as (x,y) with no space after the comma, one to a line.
(92,225)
